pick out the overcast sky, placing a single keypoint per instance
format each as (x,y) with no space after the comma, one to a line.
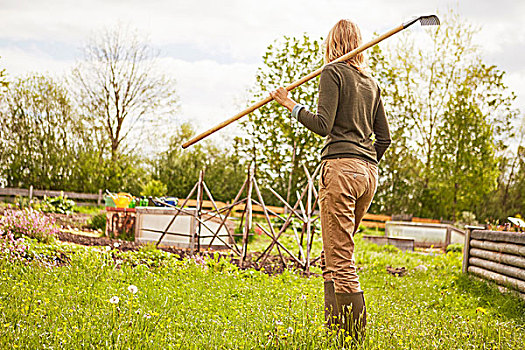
(213,48)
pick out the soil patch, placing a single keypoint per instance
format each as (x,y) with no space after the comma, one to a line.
(273,264)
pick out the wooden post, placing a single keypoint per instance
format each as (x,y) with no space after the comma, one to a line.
(308,225)
(196,227)
(448,236)
(30,193)
(466,251)
(99,200)
(248,218)
(199,208)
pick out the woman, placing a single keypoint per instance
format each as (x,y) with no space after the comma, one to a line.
(350,115)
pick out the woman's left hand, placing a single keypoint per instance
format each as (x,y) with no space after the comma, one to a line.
(281,97)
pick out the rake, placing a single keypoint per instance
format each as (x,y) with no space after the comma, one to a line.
(430,20)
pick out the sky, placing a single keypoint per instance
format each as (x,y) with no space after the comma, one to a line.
(213,48)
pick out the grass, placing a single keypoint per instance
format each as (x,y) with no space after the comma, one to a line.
(191,304)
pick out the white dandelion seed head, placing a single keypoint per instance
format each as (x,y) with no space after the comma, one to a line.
(114,300)
(116,245)
(290,330)
(147,316)
(279,323)
(133,289)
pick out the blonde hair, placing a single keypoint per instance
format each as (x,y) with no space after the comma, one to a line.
(344,37)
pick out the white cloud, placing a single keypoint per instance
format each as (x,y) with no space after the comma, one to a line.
(234,33)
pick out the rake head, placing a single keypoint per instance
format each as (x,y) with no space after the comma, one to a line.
(430,20)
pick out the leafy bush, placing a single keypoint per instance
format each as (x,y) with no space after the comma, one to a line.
(30,223)
(98,222)
(154,188)
(59,205)
(456,247)
(147,255)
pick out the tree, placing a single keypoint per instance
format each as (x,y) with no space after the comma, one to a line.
(276,143)
(179,169)
(430,93)
(39,134)
(119,88)
(465,168)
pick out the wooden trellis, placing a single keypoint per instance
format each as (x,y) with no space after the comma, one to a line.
(307,215)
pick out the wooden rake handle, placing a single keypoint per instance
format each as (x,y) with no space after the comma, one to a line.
(291,86)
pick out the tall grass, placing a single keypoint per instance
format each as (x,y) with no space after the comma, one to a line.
(196,304)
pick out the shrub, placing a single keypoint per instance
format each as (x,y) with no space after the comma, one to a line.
(98,222)
(154,188)
(30,223)
(59,205)
(456,247)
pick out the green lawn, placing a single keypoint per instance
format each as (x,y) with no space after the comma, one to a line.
(184,304)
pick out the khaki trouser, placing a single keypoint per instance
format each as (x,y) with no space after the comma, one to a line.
(346,189)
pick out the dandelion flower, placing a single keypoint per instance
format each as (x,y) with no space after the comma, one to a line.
(133,289)
(114,300)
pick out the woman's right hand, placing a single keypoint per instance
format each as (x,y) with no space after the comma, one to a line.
(281,97)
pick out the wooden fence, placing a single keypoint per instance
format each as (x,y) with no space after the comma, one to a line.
(369,220)
(31,192)
(496,256)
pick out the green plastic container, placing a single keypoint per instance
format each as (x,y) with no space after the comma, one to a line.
(109,202)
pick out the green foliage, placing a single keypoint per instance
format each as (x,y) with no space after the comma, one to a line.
(38,134)
(278,144)
(450,116)
(98,222)
(454,248)
(154,188)
(59,205)
(179,169)
(147,255)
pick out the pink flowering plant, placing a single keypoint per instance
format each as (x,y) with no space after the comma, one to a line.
(28,222)
(11,247)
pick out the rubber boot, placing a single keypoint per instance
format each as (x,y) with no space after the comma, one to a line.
(351,311)
(330,306)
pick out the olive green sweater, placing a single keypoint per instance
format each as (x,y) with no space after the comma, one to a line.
(350,114)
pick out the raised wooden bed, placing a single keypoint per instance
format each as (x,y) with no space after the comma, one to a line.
(496,256)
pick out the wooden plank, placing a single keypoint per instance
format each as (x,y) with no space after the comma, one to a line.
(507,259)
(14,192)
(376,217)
(497,267)
(498,278)
(371,224)
(426,221)
(509,248)
(206,204)
(72,195)
(49,193)
(499,236)
(258,208)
